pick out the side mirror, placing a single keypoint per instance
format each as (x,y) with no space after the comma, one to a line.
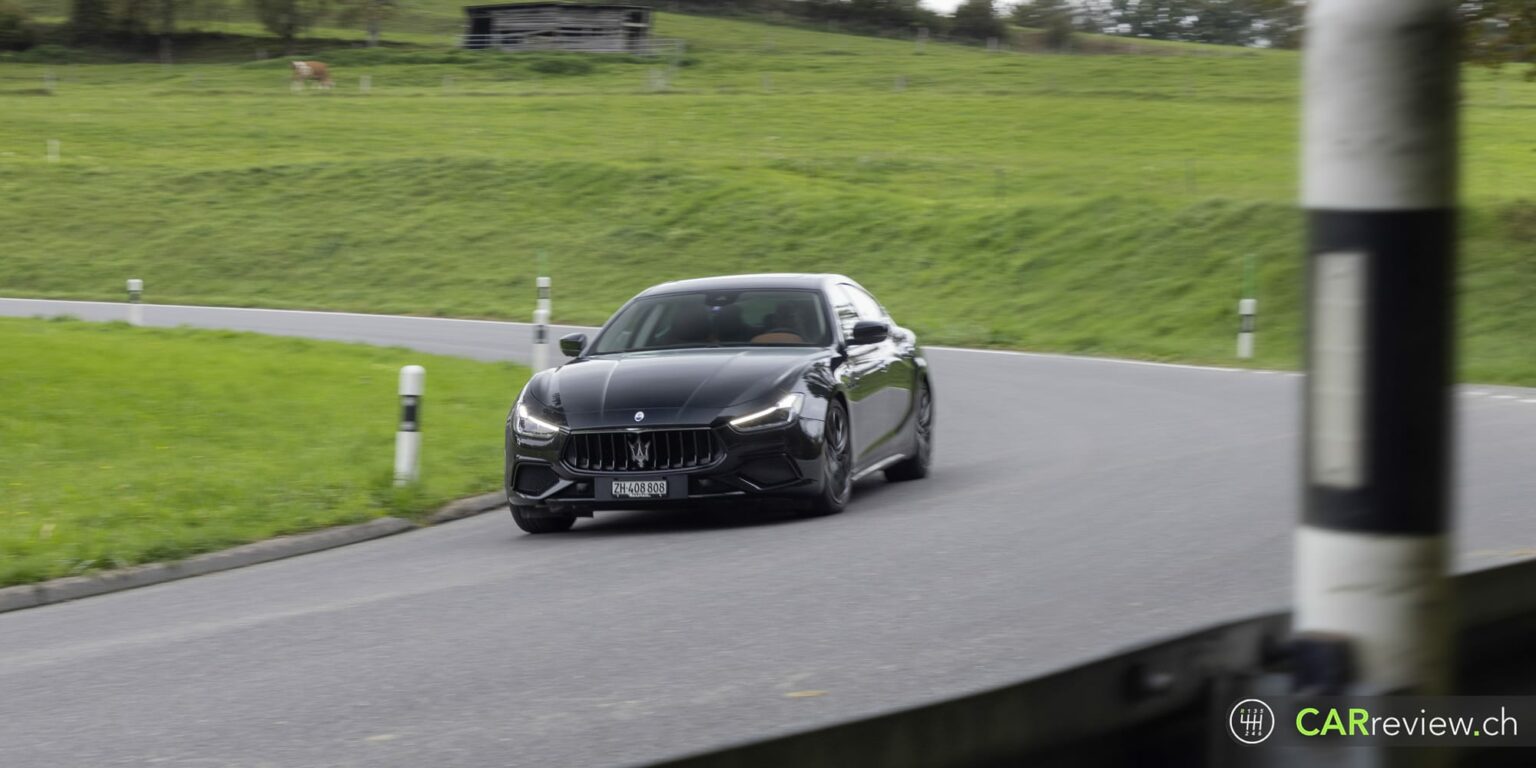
(870,332)
(572,344)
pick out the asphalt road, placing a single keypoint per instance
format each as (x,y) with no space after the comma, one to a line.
(1077,506)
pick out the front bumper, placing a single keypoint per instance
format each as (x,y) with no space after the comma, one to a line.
(783,463)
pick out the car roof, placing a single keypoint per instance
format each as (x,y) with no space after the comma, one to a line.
(791,280)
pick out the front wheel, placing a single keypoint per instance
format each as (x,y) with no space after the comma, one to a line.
(533,523)
(916,466)
(837,462)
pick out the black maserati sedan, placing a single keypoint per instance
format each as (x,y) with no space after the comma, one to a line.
(783,388)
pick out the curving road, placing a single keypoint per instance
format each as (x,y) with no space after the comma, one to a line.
(1077,506)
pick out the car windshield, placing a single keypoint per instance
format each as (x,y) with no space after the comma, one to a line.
(747,318)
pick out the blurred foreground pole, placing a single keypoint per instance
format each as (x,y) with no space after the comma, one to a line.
(135,294)
(1379,185)
(413,379)
(541,311)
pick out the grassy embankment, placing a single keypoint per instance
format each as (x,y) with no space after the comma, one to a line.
(1086,204)
(124,445)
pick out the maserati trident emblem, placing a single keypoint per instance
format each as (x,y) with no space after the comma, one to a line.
(639,450)
(639,416)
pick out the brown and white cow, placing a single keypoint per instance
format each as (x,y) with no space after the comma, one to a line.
(304,71)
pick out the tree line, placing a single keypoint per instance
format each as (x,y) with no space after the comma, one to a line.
(973,20)
(108,21)
(1497,31)
(1268,23)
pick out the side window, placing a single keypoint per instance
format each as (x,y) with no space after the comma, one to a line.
(842,305)
(867,307)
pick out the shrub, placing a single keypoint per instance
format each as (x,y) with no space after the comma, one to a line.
(48,53)
(555,64)
(16,30)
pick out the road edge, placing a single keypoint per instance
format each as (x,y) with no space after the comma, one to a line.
(75,587)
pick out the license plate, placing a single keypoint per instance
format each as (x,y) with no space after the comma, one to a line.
(639,489)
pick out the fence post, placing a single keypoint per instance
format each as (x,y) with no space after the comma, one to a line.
(541,314)
(1379,187)
(1246,309)
(135,295)
(408,436)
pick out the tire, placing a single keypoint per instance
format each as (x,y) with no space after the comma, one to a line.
(837,463)
(916,467)
(532,523)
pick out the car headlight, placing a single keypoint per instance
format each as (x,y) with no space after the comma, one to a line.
(526,424)
(779,414)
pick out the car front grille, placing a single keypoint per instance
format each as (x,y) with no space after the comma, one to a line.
(647,451)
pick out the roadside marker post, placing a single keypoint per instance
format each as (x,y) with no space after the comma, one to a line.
(1379,166)
(54,150)
(541,326)
(1246,309)
(408,436)
(135,295)
(365,83)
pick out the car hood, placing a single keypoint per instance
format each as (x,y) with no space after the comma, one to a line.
(670,387)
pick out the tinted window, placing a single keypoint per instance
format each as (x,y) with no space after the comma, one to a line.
(717,319)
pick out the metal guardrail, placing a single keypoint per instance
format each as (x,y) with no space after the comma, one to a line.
(1148,705)
(594,44)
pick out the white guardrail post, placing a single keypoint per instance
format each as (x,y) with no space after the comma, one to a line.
(1246,309)
(408,438)
(541,311)
(1379,127)
(135,294)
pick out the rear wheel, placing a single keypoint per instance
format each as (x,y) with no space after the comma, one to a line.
(916,467)
(837,462)
(530,522)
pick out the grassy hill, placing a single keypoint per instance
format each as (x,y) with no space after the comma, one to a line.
(231,438)
(1092,204)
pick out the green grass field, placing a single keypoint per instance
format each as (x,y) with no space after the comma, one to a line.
(125,445)
(1086,204)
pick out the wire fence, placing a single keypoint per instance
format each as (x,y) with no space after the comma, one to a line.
(505,41)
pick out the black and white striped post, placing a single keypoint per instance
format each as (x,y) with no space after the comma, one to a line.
(135,295)
(540,359)
(1246,309)
(1379,186)
(413,379)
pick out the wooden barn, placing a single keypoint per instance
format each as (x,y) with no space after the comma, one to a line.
(559,27)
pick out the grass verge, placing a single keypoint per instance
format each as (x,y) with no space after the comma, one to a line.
(126,445)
